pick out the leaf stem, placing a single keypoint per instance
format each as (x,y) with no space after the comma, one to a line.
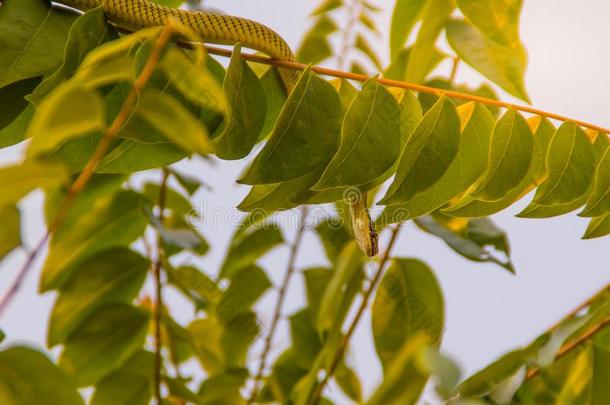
(294,250)
(363,306)
(158,307)
(347,33)
(89,169)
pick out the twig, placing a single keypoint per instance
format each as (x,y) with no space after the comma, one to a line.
(579,308)
(99,153)
(454,69)
(347,33)
(363,306)
(294,250)
(158,307)
(573,345)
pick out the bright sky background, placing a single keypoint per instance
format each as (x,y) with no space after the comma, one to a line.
(488,311)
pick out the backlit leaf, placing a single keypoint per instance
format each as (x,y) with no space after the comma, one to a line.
(428,153)
(502,65)
(113,221)
(315,47)
(599,201)
(405,15)
(19,180)
(509,160)
(110,276)
(409,301)
(370,140)
(246,113)
(304,137)
(29,377)
(105,341)
(498,19)
(598,227)
(10,237)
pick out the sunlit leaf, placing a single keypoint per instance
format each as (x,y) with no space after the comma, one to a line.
(599,201)
(247,286)
(29,377)
(405,15)
(409,301)
(326,6)
(363,45)
(435,15)
(502,65)
(19,180)
(69,112)
(10,237)
(315,46)
(598,227)
(334,236)
(498,19)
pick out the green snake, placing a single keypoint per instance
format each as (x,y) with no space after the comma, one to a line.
(227,30)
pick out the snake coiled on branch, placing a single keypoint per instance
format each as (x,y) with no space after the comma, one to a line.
(227,30)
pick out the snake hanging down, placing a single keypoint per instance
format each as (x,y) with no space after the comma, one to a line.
(227,30)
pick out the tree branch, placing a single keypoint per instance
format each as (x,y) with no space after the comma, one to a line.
(158,307)
(363,306)
(280,303)
(89,169)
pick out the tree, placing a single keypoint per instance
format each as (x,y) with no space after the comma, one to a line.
(95,108)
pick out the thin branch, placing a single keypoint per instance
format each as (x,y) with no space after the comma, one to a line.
(581,307)
(88,171)
(363,306)
(454,69)
(158,307)
(348,33)
(400,84)
(569,347)
(294,250)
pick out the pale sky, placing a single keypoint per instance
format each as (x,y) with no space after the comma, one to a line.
(488,311)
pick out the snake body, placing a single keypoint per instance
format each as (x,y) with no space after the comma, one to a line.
(227,30)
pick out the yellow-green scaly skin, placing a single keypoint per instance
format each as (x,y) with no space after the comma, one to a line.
(213,28)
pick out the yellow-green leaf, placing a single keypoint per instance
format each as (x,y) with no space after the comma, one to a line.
(498,19)
(19,180)
(10,237)
(405,15)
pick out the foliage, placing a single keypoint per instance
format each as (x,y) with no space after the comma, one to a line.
(92,107)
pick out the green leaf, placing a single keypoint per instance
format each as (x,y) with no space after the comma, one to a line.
(348,269)
(246,114)
(275,93)
(224,388)
(473,239)
(32,37)
(600,391)
(348,381)
(15,112)
(315,47)
(397,69)
(570,168)
(132,384)
(2,336)
(499,20)
(316,280)
(304,137)
(599,201)
(503,66)
(334,236)
(469,206)
(364,46)
(167,115)
(406,14)
(29,377)
(18,181)
(305,339)
(404,367)
(435,15)
(246,249)
(285,374)
(105,341)
(370,140)
(110,276)
(88,32)
(466,168)
(427,154)
(509,160)
(114,221)
(133,156)
(598,227)
(69,112)
(409,301)
(327,6)
(197,84)
(247,286)
(10,237)
(196,285)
